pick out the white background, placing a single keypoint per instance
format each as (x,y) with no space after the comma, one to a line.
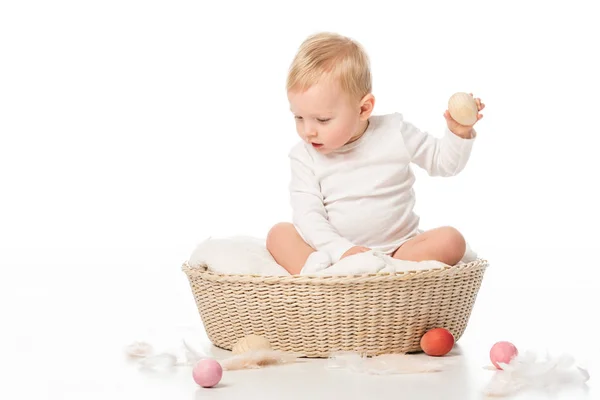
(132,130)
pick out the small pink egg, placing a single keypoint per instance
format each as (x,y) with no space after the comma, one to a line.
(207,373)
(502,352)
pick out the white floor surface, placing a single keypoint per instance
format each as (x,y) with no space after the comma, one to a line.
(65,328)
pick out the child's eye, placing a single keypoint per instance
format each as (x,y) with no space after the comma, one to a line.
(298,118)
(323,120)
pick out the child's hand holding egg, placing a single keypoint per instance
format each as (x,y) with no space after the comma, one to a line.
(463,113)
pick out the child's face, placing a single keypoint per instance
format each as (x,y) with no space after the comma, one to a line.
(326,117)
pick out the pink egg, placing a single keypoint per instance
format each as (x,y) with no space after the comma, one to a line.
(207,373)
(502,352)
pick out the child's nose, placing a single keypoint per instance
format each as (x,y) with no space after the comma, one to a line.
(309,131)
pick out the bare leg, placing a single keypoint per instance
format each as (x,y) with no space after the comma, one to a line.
(287,247)
(444,244)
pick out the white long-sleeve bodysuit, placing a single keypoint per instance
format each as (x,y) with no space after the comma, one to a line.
(362,194)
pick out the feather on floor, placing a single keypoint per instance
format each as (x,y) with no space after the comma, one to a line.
(144,354)
(526,372)
(147,359)
(258,359)
(384,364)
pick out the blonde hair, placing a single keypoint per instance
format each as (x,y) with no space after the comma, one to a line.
(330,55)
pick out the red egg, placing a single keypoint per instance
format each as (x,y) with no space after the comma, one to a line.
(502,352)
(437,342)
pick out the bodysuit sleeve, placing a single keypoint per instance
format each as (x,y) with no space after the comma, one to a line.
(309,213)
(445,156)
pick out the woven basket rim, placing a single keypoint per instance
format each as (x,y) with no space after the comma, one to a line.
(203,271)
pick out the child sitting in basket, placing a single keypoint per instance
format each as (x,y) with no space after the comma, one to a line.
(352,184)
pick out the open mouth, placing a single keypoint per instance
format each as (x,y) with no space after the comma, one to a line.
(317,145)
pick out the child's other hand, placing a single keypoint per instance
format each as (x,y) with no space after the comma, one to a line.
(464,131)
(355,250)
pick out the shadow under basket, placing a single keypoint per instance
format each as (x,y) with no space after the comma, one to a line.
(320,315)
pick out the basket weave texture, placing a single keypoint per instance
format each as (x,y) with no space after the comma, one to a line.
(317,316)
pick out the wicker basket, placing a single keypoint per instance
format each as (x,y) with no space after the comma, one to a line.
(317,316)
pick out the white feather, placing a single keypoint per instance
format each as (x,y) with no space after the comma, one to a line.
(139,349)
(384,364)
(165,360)
(526,372)
(258,359)
(161,362)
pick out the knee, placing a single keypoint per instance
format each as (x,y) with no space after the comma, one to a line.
(455,245)
(277,233)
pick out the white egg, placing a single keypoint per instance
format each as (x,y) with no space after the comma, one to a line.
(463,108)
(251,343)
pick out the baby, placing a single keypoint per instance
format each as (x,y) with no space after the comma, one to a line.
(351,180)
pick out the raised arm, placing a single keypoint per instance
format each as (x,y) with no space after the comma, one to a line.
(445,156)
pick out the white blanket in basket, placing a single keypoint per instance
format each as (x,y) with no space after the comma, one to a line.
(248,255)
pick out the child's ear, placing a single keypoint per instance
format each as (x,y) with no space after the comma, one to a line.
(366,106)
